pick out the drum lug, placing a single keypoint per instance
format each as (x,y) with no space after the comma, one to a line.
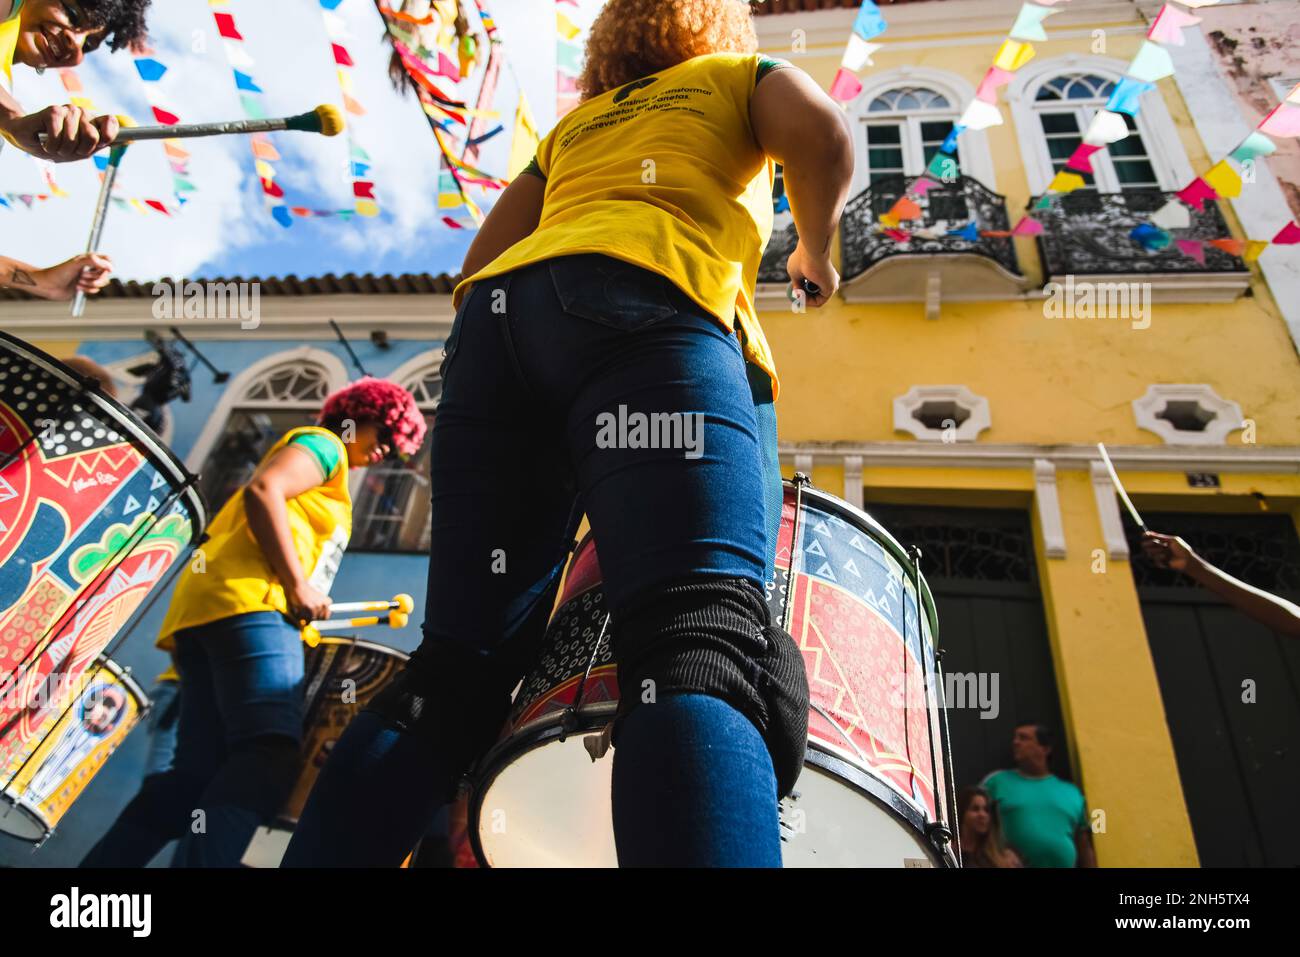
(568,723)
(939,834)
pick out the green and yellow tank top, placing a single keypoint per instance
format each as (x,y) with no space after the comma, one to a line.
(229,575)
(665,173)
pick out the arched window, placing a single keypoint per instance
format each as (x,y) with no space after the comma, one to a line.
(905,126)
(1065,105)
(391,505)
(279,394)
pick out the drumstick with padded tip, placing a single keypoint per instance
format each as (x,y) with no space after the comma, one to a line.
(403,603)
(101,210)
(313,631)
(325,119)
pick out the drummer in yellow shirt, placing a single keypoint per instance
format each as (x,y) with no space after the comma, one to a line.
(234,630)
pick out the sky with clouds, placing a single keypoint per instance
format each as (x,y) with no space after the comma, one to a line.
(225,230)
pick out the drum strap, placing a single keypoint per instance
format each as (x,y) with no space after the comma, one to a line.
(715,637)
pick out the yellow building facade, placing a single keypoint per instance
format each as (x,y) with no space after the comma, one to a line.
(940,378)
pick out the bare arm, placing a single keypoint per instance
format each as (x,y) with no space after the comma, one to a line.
(805,131)
(1083,844)
(1277,614)
(85,273)
(288,474)
(513,218)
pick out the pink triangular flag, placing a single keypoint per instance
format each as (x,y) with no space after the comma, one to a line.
(1028,226)
(1288,235)
(1193,248)
(1196,193)
(922,186)
(1168,25)
(1283,121)
(994,78)
(846,85)
(1079,159)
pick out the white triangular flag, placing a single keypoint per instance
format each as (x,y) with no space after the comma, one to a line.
(1106,128)
(858,53)
(1172,215)
(980,116)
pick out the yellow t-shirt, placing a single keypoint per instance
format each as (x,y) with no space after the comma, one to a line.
(230,575)
(664,173)
(9,44)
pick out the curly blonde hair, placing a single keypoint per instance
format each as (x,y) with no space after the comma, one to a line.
(634,38)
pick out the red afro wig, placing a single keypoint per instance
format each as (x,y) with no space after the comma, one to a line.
(380,401)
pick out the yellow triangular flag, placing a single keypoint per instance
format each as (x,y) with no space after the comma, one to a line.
(367,208)
(891,222)
(1065,182)
(526,140)
(1253,248)
(568,29)
(1224,179)
(1013,54)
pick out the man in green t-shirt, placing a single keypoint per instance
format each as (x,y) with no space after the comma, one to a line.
(1044,818)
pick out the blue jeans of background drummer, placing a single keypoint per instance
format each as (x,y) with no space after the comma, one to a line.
(515,464)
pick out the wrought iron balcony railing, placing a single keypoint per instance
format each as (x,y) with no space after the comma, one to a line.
(946,207)
(1087,233)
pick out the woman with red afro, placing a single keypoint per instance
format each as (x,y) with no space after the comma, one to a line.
(234,631)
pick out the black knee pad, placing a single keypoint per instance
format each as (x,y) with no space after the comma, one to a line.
(716,637)
(453,698)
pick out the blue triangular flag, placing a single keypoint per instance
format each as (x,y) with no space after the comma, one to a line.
(282,216)
(1149,237)
(869,23)
(101,162)
(245,82)
(151,71)
(970,232)
(5,203)
(1124,98)
(360,169)
(782,204)
(950,142)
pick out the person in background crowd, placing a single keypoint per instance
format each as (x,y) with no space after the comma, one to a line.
(1276,614)
(234,630)
(1044,818)
(980,833)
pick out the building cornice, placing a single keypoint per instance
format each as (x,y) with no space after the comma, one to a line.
(281,318)
(1280,459)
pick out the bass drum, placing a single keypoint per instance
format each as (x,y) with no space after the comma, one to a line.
(40,788)
(873,792)
(94,511)
(341,676)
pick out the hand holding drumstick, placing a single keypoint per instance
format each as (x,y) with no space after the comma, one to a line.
(1170,551)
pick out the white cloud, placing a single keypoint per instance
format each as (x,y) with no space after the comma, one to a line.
(293,65)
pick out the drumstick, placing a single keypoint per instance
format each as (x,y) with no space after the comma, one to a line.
(101,213)
(325,119)
(1119,487)
(313,630)
(402,603)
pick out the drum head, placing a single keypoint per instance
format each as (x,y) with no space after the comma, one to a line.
(546,803)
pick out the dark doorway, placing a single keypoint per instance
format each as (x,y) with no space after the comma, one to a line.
(1239,762)
(980,566)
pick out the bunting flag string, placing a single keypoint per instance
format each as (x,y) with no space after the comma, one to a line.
(250,99)
(868,24)
(568,59)
(980,113)
(364,201)
(423,43)
(1152,63)
(151,71)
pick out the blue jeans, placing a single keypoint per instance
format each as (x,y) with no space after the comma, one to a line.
(548,372)
(237,748)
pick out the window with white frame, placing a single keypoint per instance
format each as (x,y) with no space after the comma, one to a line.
(1065,105)
(285,397)
(904,128)
(391,508)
